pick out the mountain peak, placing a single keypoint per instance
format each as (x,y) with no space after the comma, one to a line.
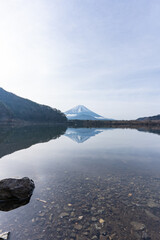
(81,112)
(78,109)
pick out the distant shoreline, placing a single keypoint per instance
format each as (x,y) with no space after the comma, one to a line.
(114,124)
(88,123)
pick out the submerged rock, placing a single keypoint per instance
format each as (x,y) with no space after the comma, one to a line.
(138,226)
(16,189)
(12,204)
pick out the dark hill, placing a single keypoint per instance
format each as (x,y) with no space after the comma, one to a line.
(18,108)
(5,113)
(16,138)
(157,117)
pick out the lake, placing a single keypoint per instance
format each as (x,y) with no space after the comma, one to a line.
(89,183)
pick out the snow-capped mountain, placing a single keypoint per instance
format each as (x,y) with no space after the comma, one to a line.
(81,135)
(80,112)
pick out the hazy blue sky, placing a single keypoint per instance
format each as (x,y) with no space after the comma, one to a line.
(103,54)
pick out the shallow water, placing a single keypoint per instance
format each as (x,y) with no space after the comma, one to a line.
(90,184)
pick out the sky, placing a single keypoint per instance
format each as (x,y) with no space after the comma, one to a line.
(103,54)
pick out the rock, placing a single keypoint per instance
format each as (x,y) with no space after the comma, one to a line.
(78,226)
(94,237)
(72,214)
(138,226)
(101,220)
(80,217)
(86,233)
(16,189)
(151,215)
(4,236)
(13,204)
(153,204)
(73,235)
(94,219)
(63,214)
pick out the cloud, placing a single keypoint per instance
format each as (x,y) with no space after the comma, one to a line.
(65,52)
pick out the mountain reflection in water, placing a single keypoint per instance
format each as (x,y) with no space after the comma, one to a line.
(13,139)
(106,188)
(81,135)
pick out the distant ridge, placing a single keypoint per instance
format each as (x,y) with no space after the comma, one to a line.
(157,117)
(13,107)
(80,112)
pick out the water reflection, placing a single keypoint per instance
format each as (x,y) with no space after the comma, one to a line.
(150,130)
(106,188)
(10,205)
(14,139)
(81,135)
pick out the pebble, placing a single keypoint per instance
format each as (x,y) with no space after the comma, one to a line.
(151,215)
(101,220)
(78,226)
(94,237)
(138,226)
(86,233)
(63,214)
(72,214)
(73,235)
(4,236)
(153,204)
(94,219)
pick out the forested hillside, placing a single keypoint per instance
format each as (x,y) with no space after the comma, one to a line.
(15,107)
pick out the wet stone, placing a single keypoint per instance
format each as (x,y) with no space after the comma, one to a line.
(94,219)
(151,215)
(86,233)
(63,214)
(4,236)
(72,214)
(73,235)
(138,226)
(153,204)
(94,237)
(67,209)
(78,227)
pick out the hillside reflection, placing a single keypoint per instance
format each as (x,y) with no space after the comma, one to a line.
(15,139)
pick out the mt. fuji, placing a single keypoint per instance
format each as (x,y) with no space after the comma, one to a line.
(80,112)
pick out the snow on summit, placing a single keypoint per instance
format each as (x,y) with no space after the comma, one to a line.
(80,112)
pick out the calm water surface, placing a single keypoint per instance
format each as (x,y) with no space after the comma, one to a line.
(90,184)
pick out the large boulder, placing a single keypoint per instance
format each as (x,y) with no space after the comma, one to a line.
(6,206)
(16,189)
